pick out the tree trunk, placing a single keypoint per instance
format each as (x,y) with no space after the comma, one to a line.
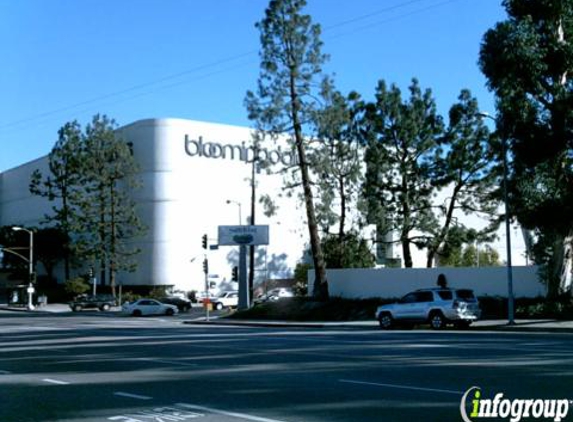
(439,241)
(342,208)
(320,289)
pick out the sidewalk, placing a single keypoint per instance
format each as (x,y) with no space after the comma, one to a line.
(521,325)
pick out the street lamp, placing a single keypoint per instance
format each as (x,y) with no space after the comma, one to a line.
(510,300)
(30,265)
(240,215)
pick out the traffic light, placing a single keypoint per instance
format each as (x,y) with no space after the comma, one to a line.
(204,243)
(91,272)
(235,276)
(206,266)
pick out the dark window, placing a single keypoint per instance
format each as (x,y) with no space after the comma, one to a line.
(445,294)
(466,295)
(409,298)
(424,297)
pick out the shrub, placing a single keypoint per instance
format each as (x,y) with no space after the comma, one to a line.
(76,286)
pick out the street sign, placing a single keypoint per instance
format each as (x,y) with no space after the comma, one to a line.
(243,235)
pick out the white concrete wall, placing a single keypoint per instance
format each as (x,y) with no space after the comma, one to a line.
(396,282)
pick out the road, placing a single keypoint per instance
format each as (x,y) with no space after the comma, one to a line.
(105,367)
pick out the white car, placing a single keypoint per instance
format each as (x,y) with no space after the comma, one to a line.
(275,294)
(226,300)
(148,307)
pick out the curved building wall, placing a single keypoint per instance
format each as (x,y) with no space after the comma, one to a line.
(187,180)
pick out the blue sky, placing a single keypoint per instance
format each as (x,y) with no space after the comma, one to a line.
(134,59)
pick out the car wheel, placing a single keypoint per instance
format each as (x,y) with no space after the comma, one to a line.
(137,313)
(386,321)
(219,306)
(169,312)
(105,307)
(437,320)
(77,308)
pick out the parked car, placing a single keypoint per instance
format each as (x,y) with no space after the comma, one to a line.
(438,307)
(148,307)
(182,304)
(101,302)
(201,296)
(275,294)
(226,300)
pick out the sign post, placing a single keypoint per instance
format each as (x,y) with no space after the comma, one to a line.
(243,236)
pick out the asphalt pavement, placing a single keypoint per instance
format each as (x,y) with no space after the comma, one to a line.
(96,367)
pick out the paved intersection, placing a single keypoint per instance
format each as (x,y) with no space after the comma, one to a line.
(94,367)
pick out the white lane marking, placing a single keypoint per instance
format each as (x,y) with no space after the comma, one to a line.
(58,382)
(243,416)
(403,387)
(132,396)
(169,362)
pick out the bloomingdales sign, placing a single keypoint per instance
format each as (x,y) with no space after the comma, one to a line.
(199,148)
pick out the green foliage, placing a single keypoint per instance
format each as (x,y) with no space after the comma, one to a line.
(348,251)
(337,159)
(301,278)
(307,309)
(402,141)
(286,96)
(61,184)
(16,242)
(92,174)
(130,296)
(464,168)
(76,286)
(158,292)
(50,247)
(528,61)
(107,220)
(468,257)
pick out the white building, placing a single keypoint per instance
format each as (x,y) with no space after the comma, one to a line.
(195,176)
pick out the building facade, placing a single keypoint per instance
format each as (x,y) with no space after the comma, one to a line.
(195,176)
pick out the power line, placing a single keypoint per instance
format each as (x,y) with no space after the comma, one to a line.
(230,59)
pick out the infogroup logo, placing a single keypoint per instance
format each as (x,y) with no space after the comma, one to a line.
(513,409)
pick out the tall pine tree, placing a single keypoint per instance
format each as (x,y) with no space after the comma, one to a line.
(285,100)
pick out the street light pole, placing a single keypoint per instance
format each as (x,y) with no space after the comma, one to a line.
(240,214)
(30,265)
(510,299)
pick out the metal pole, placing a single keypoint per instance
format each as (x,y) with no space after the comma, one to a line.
(208,303)
(31,267)
(243,284)
(510,300)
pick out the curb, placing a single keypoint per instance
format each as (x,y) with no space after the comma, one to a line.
(281,324)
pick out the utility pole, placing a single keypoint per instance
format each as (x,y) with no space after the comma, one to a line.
(252,222)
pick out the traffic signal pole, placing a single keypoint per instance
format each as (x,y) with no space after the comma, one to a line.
(207,300)
(243,281)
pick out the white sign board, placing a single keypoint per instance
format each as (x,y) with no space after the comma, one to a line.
(243,235)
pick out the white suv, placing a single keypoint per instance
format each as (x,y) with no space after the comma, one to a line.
(226,300)
(435,306)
